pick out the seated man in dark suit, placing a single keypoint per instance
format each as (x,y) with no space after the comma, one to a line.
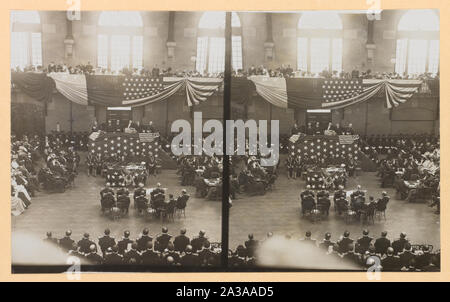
(406,256)
(197,242)
(399,244)
(326,243)
(66,242)
(162,240)
(344,242)
(390,262)
(251,245)
(123,244)
(150,257)
(181,241)
(189,258)
(143,240)
(85,243)
(308,204)
(382,244)
(363,243)
(106,242)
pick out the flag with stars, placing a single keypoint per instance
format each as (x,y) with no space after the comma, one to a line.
(323,147)
(120,144)
(341,89)
(141,87)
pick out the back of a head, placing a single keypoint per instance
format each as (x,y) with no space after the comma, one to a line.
(188,248)
(68,233)
(164,230)
(390,251)
(92,247)
(183,231)
(383,234)
(308,234)
(145,231)
(149,245)
(126,234)
(107,232)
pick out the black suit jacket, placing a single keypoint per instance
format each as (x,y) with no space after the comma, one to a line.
(180,243)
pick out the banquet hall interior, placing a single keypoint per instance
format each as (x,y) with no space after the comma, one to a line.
(94,98)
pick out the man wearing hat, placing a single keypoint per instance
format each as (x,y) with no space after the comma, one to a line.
(122,245)
(66,242)
(363,243)
(181,241)
(106,242)
(198,242)
(382,244)
(85,243)
(143,240)
(162,240)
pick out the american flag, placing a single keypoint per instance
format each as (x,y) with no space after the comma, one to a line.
(341,89)
(139,87)
(148,137)
(122,145)
(323,147)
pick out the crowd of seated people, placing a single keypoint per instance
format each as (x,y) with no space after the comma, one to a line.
(253,178)
(40,162)
(288,72)
(397,255)
(362,208)
(25,153)
(411,158)
(285,71)
(117,202)
(203,172)
(160,250)
(65,139)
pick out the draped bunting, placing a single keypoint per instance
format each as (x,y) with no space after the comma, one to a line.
(302,93)
(72,86)
(36,85)
(271,89)
(115,90)
(307,93)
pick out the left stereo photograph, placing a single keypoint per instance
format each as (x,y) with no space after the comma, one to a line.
(111,166)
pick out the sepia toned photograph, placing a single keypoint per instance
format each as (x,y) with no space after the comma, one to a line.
(225,141)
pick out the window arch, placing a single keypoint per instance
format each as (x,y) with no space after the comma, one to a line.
(120,42)
(211,42)
(417,43)
(319,42)
(26,39)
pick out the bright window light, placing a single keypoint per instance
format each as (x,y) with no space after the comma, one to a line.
(120,18)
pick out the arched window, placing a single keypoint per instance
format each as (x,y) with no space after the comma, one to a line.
(417,43)
(120,40)
(211,42)
(319,43)
(26,39)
